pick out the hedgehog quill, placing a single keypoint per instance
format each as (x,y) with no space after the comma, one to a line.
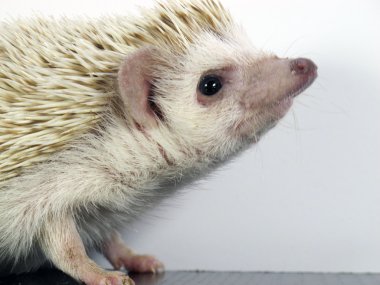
(96,116)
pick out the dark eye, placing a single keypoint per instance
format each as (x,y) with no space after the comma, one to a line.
(210,85)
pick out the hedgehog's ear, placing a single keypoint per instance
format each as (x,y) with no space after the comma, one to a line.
(135,86)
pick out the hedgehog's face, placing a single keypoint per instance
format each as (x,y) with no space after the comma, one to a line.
(250,96)
(221,92)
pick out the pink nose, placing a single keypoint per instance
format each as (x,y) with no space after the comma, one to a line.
(302,66)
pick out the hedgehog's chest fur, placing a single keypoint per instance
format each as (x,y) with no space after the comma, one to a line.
(141,167)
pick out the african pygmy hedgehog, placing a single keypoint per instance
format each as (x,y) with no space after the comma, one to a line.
(97,115)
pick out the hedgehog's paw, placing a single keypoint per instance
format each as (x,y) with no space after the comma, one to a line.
(119,255)
(143,263)
(134,262)
(108,278)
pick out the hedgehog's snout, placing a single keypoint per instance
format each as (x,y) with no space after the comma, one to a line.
(304,71)
(303,66)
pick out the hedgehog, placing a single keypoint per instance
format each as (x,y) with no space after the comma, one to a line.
(99,118)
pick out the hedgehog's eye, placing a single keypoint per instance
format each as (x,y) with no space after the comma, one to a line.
(210,85)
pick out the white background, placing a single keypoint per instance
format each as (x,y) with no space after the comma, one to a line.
(307,198)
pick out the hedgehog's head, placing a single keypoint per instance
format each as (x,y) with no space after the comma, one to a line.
(217,95)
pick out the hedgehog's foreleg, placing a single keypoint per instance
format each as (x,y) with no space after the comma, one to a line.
(63,246)
(118,254)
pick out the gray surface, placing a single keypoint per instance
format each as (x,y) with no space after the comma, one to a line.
(54,277)
(236,278)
